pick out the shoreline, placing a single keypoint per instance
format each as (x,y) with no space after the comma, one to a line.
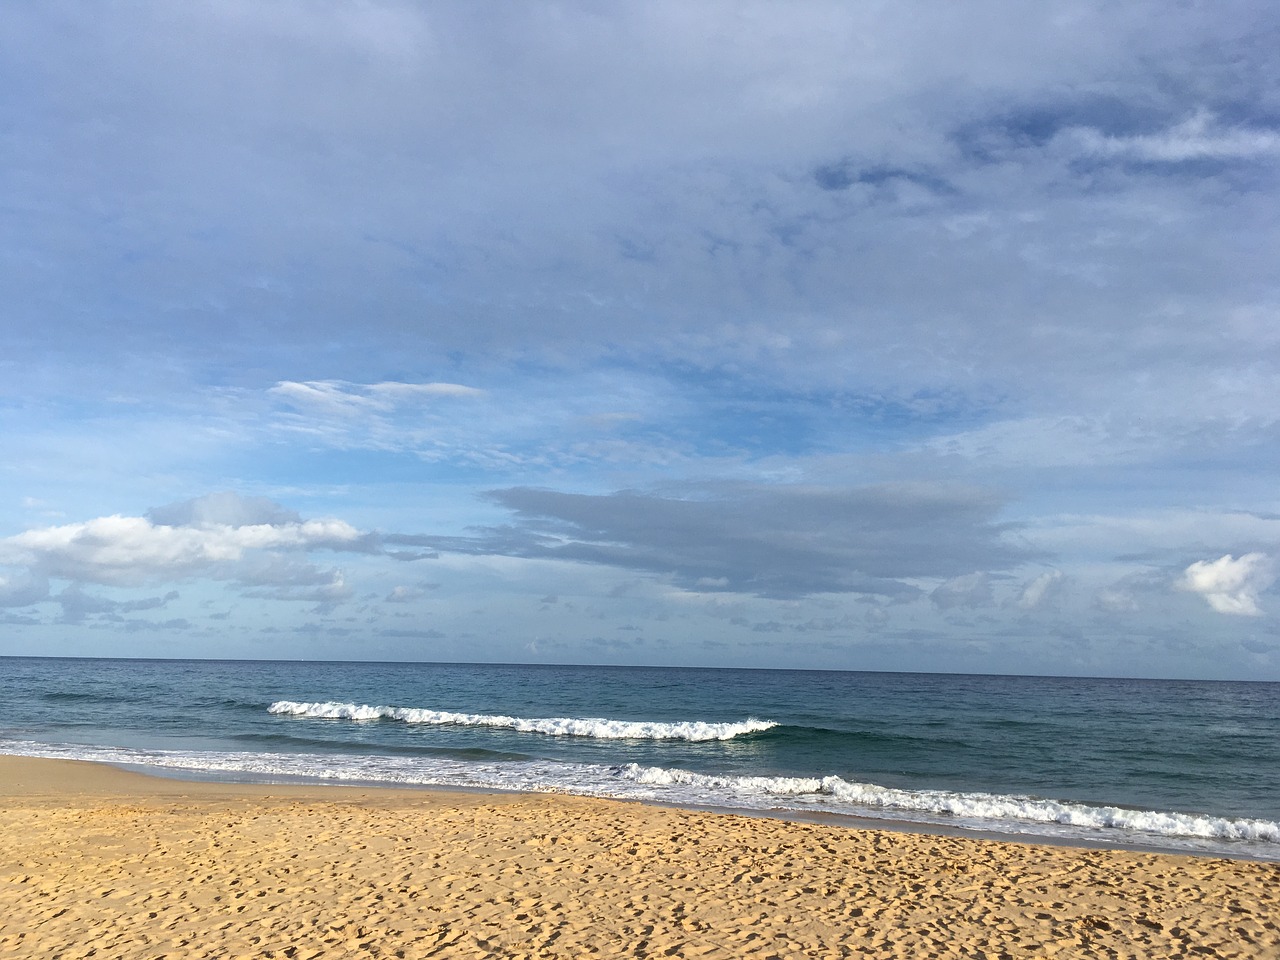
(96,857)
(1120,841)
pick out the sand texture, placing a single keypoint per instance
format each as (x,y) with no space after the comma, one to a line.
(96,862)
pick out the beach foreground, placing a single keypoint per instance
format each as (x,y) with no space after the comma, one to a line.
(100,862)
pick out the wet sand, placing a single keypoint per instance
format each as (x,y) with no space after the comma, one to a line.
(100,862)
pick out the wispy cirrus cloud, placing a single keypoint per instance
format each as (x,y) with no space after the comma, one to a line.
(349,399)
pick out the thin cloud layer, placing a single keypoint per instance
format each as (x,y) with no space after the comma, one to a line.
(765,541)
(826,145)
(1199,137)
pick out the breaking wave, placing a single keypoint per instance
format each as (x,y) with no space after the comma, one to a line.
(982,810)
(596,727)
(828,796)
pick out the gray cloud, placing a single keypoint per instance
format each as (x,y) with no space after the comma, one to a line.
(772,541)
(223,509)
(1041,591)
(23,589)
(969,590)
(557,167)
(325,587)
(79,606)
(407,593)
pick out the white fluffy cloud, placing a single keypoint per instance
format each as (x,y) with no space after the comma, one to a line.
(1231,585)
(132,551)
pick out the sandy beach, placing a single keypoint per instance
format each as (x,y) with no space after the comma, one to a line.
(100,862)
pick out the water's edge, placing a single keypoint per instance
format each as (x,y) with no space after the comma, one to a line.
(820,818)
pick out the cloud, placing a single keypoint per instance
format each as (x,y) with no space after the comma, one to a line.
(776,541)
(1231,585)
(1143,589)
(223,509)
(970,590)
(807,249)
(405,593)
(399,392)
(673,175)
(1200,137)
(220,537)
(23,590)
(324,587)
(1115,599)
(78,606)
(343,399)
(434,420)
(1041,590)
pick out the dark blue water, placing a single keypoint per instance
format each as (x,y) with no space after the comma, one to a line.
(1175,764)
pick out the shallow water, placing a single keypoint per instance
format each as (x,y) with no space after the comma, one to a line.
(1174,764)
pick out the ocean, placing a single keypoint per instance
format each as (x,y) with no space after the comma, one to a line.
(1182,766)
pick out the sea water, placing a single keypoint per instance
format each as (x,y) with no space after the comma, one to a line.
(1174,765)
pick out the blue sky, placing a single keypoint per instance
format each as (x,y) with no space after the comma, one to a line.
(919,336)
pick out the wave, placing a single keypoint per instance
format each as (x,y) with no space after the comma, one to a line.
(784,796)
(599,728)
(983,810)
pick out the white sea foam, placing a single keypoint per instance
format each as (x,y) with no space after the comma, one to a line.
(597,727)
(983,810)
(828,795)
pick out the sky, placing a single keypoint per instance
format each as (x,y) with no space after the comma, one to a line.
(910,336)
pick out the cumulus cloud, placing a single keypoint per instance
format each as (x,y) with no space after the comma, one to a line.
(129,551)
(222,536)
(1231,585)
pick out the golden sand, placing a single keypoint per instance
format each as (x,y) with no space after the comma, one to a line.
(97,862)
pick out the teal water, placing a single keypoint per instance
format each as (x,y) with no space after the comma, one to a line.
(1172,764)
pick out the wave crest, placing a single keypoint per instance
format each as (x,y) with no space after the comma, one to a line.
(600,728)
(984,808)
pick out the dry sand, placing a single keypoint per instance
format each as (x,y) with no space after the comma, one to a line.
(99,862)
